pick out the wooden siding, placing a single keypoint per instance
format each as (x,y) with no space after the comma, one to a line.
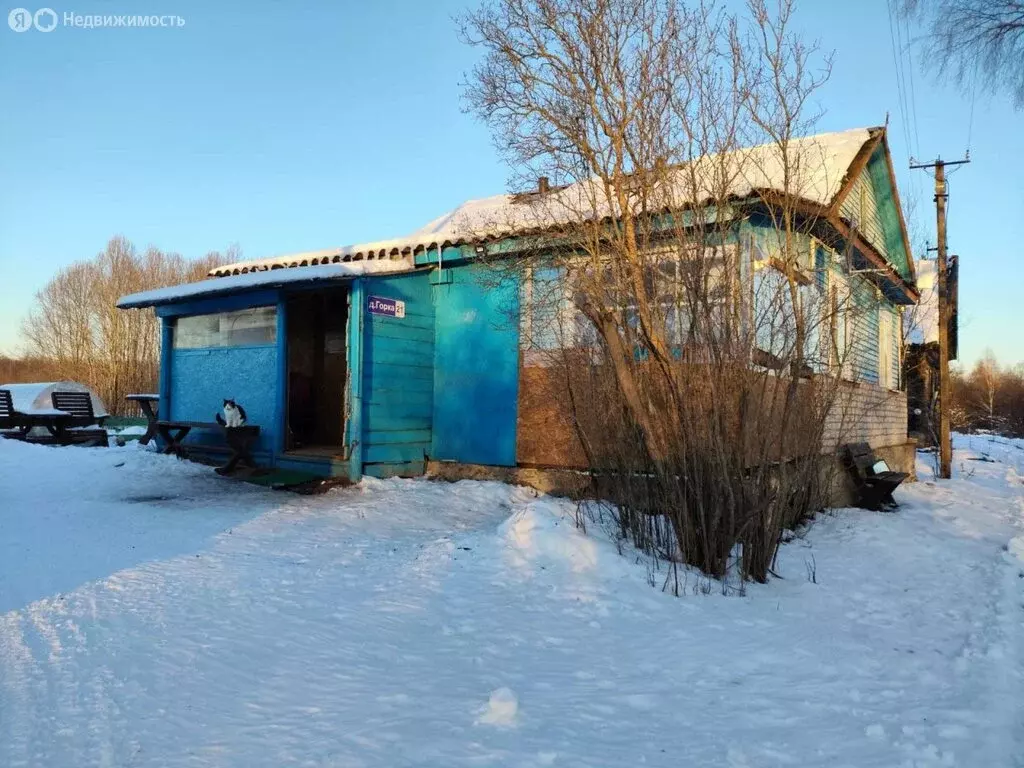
(864,344)
(476,366)
(868,218)
(398,383)
(871,203)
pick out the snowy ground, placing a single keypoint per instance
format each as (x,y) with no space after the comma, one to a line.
(152,613)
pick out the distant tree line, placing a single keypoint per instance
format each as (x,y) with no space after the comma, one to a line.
(75,331)
(989,397)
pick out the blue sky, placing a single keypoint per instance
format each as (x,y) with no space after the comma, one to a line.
(294,126)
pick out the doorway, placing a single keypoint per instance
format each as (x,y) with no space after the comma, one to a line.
(317,371)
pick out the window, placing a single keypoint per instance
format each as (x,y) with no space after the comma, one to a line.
(885,367)
(816,309)
(774,317)
(552,297)
(546,301)
(246,327)
(842,328)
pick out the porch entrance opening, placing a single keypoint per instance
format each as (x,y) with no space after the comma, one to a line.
(317,370)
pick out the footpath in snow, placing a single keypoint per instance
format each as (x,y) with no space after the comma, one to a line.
(154,614)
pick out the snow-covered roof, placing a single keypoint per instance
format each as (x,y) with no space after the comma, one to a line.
(818,166)
(265,277)
(35,397)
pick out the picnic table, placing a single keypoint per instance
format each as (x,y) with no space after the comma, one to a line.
(60,424)
(65,426)
(240,440)
(148,405)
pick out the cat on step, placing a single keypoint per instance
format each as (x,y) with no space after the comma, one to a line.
(234,415)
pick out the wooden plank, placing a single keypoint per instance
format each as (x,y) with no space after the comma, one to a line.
(407,469)
(392,437)
(386,420)
(421,356)
(383,389)
(384,371)
(400,398)
(400,410)
(402,344)
(394,453)
(411,320)
(392,331)
(409,431)
(190,424)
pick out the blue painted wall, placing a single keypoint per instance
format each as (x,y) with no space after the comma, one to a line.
(476,367)
(398,377)
(201,379)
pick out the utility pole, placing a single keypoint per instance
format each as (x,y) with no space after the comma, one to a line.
(942,293)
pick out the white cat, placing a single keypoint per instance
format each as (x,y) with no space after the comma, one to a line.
(234,415)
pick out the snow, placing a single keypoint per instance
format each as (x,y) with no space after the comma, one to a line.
(263,277)
(501,710)
(822,160)
(818,166)
(155,614)
(367,257)
(126,431)
(35,398)
(922,324)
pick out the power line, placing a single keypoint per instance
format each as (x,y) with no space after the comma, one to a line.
(900,82)
(970,120)
(910,66)
(901,91)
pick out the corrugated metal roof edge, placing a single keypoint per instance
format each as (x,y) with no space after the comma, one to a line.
(404,247)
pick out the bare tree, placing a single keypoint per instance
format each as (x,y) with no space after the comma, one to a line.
(76,326)
(987,378)
(690,378)
(989,397)
(979,42)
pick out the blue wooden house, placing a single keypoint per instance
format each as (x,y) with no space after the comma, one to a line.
(382,358)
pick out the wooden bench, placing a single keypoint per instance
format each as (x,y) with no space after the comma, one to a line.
(83,425)
(873,480)
(78,405)
(240,440)
(11,425)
